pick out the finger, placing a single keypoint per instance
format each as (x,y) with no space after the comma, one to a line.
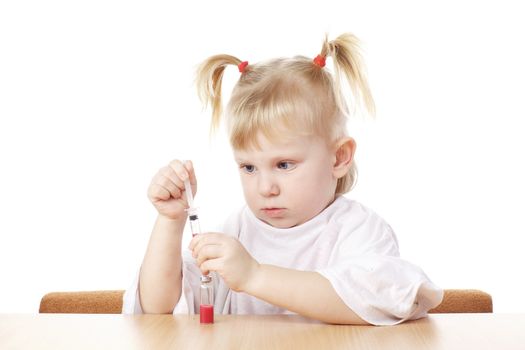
(188,165)
(161,180)
(208,252)
(191,171)
(168,184)
(157,192)
(180,170)
(169,173)
(201,245)
(206,238)
(211,265)
(194,241)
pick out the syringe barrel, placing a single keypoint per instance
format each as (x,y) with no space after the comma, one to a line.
(195,225)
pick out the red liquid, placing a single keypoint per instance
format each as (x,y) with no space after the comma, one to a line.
(206,313)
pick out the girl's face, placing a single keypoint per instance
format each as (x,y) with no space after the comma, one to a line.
(286,183)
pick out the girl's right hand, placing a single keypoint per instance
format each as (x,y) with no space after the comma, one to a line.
(166,190)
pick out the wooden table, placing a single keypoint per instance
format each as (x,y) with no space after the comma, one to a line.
(84,331)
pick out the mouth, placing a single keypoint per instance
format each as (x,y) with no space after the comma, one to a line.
(273,212)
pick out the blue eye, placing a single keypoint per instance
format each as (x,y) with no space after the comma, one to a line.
(248,168)
(285,165)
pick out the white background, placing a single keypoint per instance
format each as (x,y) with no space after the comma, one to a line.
(96,96)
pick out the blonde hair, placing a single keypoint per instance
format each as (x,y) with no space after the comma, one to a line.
(289,94)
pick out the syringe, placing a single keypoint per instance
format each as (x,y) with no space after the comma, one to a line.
(192,210)
(206,289)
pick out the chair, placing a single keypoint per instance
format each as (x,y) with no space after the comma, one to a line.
(464,301)
(110,302)
(96,302)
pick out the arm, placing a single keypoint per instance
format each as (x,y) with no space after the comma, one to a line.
(161,272)
(160,277)
(305,292)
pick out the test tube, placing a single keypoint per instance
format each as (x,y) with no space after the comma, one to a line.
(206,305)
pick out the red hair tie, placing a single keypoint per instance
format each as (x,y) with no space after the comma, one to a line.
(320,61)
(242,66)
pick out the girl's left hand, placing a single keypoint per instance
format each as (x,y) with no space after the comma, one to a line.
(225,255)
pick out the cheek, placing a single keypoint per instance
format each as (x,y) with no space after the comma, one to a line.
(305,187)
(248,187)
(318,175)
(314,185)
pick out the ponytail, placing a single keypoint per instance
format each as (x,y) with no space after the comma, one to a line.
(346,56)
(209,81)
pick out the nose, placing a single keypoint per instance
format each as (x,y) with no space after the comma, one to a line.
(268,186)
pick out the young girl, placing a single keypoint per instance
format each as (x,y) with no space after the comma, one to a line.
(298,246)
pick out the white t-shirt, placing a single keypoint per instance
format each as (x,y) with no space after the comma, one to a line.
(349,244)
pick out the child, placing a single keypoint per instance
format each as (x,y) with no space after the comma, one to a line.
(299,246)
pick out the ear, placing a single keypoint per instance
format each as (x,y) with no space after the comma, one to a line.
(344,156)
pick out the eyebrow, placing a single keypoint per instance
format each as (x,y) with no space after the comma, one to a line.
(242,160)
(272,160)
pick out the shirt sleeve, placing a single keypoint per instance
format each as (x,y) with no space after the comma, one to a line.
(131,298)
(367,273)
(383,290)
